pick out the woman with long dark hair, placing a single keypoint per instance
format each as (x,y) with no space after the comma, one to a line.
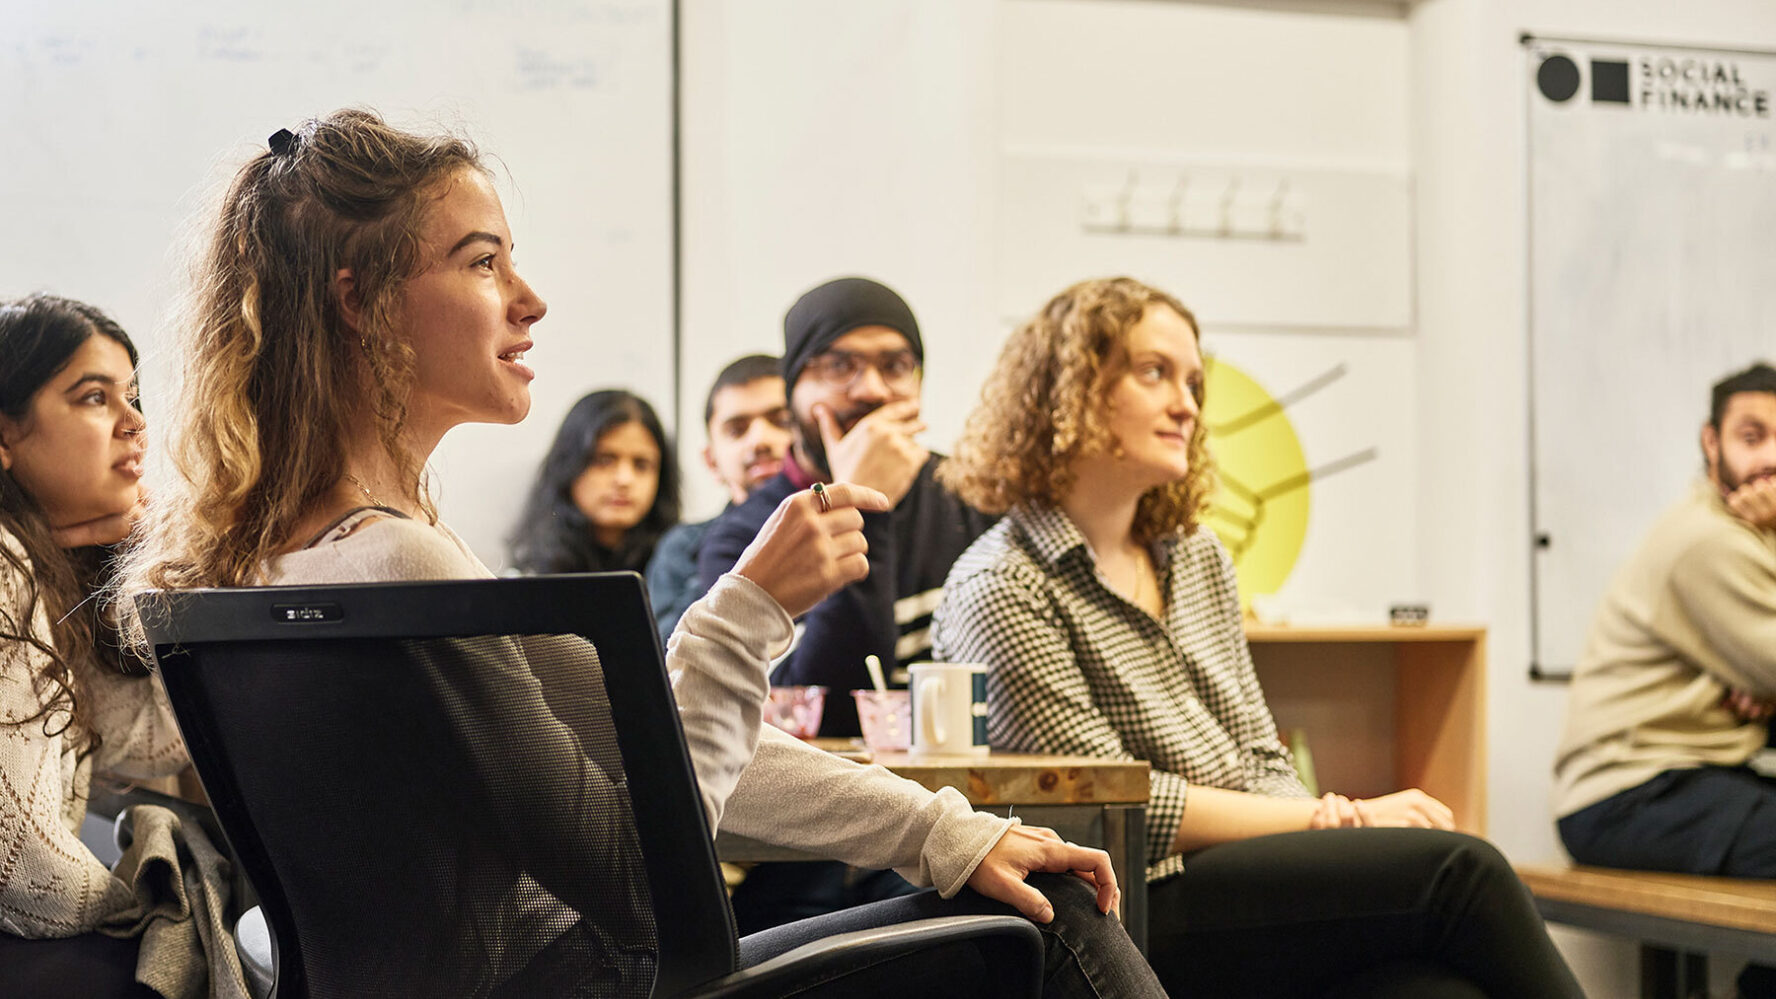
(71,451)
(606,491)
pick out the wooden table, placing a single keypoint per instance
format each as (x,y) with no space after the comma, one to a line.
(1093,802)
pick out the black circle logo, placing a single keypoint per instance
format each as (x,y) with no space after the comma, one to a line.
(1558,79)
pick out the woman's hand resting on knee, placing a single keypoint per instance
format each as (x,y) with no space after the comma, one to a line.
(1026,850)
(806,552)
(1410,807)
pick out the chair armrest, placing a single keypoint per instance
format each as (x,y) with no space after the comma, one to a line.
(841,962)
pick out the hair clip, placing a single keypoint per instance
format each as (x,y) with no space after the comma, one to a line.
(281,141)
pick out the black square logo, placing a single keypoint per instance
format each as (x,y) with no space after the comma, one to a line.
(1609,81)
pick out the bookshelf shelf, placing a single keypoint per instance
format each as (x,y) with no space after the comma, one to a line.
(1385,708)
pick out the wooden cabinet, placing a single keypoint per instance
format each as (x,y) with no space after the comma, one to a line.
(1385,708)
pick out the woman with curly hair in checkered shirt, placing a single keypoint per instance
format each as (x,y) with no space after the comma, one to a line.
(1111,625)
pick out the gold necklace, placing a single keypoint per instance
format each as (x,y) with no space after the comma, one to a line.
(354,480)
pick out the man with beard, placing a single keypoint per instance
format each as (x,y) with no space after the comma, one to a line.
(1671,695)
(747,418)
(853,360)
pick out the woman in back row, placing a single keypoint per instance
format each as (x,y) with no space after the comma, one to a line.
(606,491)
(1110,621)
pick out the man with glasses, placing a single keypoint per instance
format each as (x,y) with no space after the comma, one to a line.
(852,360)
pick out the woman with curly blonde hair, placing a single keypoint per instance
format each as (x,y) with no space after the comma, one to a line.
(1109,620)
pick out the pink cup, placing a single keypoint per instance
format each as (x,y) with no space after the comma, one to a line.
(796,710)
(886,718)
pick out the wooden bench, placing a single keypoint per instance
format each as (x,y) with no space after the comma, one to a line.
(1677,918)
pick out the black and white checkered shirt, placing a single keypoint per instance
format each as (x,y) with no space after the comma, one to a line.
(1077,669)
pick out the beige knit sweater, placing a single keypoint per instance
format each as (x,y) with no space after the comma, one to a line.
(755,780)
(51,885)
(1691,615)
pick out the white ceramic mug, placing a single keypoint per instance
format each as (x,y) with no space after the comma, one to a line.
(949,708)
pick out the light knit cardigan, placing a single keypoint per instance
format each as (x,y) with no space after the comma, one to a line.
(755,780)
(51,885)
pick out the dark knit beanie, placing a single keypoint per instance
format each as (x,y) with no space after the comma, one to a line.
(836,308)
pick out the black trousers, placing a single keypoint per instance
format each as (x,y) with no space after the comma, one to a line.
(778,893)
(1352,912)
(89,966)
(1705,820)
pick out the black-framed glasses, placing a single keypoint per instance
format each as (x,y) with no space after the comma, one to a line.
(840,368)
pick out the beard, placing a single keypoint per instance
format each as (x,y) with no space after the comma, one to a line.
(1731,479)
(813,447)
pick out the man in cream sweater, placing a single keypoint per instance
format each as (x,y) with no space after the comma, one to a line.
(1670,695)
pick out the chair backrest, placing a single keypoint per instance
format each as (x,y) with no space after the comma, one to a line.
(465,788)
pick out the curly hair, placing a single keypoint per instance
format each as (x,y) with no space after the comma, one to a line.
(275,376)
(1041,409)
(39,334)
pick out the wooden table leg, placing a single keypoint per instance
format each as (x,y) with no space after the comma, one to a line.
(1125,839)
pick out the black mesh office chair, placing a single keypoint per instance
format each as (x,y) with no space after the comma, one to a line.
(441,789)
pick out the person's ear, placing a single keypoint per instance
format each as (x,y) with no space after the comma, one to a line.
(1711,451)
(709,462)
(8,432)
(345,289)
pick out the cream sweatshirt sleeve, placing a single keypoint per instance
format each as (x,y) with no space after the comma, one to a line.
(1726,584)
(797,796)
(718,657)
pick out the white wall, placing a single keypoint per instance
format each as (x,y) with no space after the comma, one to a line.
(1467,86)
(121,119)
(874,137)
(824,139)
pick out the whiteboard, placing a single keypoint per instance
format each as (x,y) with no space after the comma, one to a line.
(1652,245)
(122,118)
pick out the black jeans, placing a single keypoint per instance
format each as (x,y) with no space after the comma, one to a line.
(88,966)
(778,893)
(1348,912)
(1704,820)
(1087,954)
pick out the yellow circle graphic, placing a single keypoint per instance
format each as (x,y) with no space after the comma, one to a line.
(1261,502)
